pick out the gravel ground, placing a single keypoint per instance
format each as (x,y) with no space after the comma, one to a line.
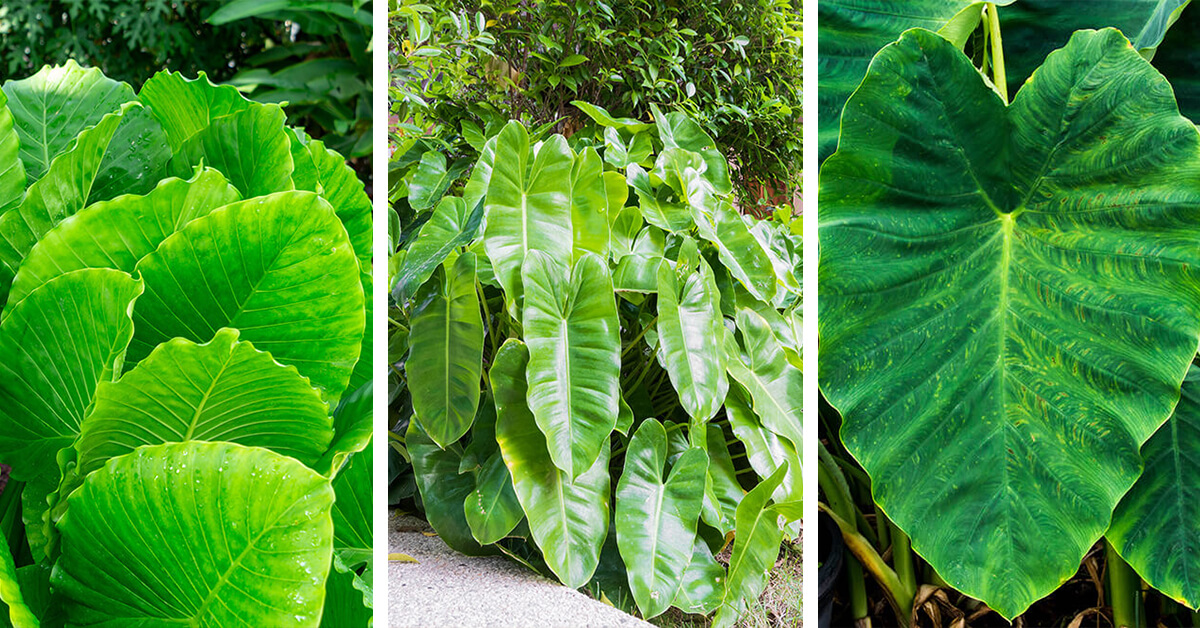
(445,589)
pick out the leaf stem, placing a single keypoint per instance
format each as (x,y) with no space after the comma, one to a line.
(998,75)
(1124,590)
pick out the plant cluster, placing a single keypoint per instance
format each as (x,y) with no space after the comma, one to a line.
(732,66)
(185,395)
(313,55)
(1010,306)
(596,364)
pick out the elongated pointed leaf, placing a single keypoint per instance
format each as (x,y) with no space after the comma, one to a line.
(250,148)
(528,204)
(116,234)
(481,175)
(59,343)
(589,205)
(677,130)
(240,535)
(574,368)
(347,598)
(755,548)
(773,383)
(12,169)
(1156,527)
(660,206)
(568,518)
(451,225)
(966,279)
(690,335)
(443,489)
(703,585)
(279,269)
(223,390)
(492,508)
(656,520)
(352,427)
(447,350)
(59,194)
(738,249)
(766,450)
(432,179)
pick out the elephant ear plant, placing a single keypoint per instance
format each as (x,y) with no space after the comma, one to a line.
(603,363)
(1010,300)
(185,391)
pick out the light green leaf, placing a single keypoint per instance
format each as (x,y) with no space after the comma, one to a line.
(431,180)
(773,383)
(59,194)
(571,326)
(604,119)
(741,253)
(250,148)
(224,517)
(1156,527)
(528,206)
(280,269)
(224,390)
(703,585)
(677,130)
(447,352)
(58,344)
(347,598)
(690,335)
(321,170)
(117,233)
(18,614)
(12,169)
(660,205)
(352,428)
(351,512)
(656,520)
(492,508)
(51,108)
(766,450)
(477,184)
(185,107)
(1019,295)
(568,518)
(589,205)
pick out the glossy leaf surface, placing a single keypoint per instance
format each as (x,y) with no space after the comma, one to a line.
(973,256)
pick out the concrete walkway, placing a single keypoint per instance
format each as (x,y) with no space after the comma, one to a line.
(445,589)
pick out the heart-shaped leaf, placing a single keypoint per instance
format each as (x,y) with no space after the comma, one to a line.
(1011,286)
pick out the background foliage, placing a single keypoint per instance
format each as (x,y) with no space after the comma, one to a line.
(312,54)
(460,67)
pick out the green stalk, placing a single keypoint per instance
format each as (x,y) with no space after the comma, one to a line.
(1123,590)
(902,557)
(998,76)
(882,529)
(864,555)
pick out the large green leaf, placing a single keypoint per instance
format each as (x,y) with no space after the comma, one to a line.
(568,518)
(1033,28)
(53,198)
(690,334)
(352,428)
(451,225)
(279,269)
(703,587)
(1177,58)
(774,385)
(571,327)
(351,513)
(184,107)
(755,548)
(492,508)
(528,204)
(678,131)
(1156,527)
(117,233)
(51,108)
(58,344)
(766,450)
(224,390)
(12,169)
(589,205)
(250,147)
(1013,286)
(431,180)
(447,352)
(740,252)
(197,534)
(656,519)
(321,170)
(852,31)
